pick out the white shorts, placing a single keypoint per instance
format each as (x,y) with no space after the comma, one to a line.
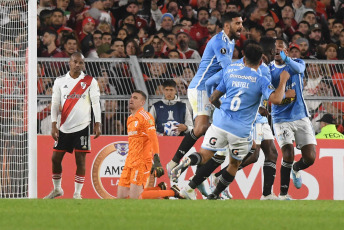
(300,131)
(217,139)
(200,103)
(261,132)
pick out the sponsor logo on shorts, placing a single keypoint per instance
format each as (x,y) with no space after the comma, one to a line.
(212,141)
(107,168)
(235,152)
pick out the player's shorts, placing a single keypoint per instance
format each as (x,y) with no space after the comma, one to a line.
(200,103)
(301,131)
(137,175)
(78,141)
(261,132)
(217,139)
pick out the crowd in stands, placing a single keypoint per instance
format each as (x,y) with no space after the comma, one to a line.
(180,29)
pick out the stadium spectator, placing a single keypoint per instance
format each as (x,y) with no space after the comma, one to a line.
(215,13)
(268,22)
(143,35)
(62,4)
(252,16)
(314,74)
(49,40)
(104,27)
(296,36)
(141,129)
(44,112)
(335,30)
(132,48)
(315,40)
(111,119)
(44,5)
(97,42)
(148,52)
(309,16)
(188,13)
(256,33)
(299,10)
(294,50)
(88,25)
(328,128)
(271,33)
(199,30)
(117,49)
(97,11)
(70,46)
(157,75)
(213,28)
(122,34)
(73,133)
(221,6)
(183,40)
(105,87)
(57,19)
(287,22)
(278,6)
(108,4)
(174,69)
(78,11)
(128,19)
(304,48)
(303,27)
(263,6)
(164,22)
(232,7)
(331,52)
(170,108)
(340,45)
(106,38)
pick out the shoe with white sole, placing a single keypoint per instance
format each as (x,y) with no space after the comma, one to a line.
(188,194)
(179,169)
(77,196)
(170,165)
(55,193)
(297,179)
(284,197)
(269,197)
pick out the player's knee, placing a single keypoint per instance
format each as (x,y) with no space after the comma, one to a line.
(56,160)
(272,155)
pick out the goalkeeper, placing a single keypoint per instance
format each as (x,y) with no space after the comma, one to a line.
(143,150)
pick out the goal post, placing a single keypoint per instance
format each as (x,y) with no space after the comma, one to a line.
(32,97)
(18,98)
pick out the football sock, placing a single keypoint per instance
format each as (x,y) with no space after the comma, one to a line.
(224,180)
(57,179)
(195,158)
(188,141)
(285,177)
(221,171)
(156,194)
(300,165)
(269,171)
(79,182)
(152,188)
(204,171)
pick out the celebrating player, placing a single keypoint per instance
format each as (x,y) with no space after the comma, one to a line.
(233,118)
(76,93)
(217,55)
(290,120)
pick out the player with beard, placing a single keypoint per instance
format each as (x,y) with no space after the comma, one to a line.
(217,55)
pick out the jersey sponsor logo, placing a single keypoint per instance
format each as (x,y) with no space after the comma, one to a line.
(212,141)
(250,78)
(74,96)
(223,51)
(107,168)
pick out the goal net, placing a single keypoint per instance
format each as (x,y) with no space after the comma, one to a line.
(13,99)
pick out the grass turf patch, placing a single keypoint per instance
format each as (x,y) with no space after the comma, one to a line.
(170,214)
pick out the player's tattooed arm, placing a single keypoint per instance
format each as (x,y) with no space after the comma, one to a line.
(215,98)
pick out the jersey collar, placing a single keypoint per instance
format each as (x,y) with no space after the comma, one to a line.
(226,36)
(81,76)
(278,66)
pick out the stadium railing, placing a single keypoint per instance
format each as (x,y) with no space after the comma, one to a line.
(118,77)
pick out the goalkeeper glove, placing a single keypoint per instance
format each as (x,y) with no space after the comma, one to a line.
(157,168)
(284,57)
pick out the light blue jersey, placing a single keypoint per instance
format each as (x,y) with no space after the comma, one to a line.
(290,109)
(244,89)
(212,82)
(217,55)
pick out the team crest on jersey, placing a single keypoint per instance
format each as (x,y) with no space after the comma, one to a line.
(223,51)
(135,124)
(83,85)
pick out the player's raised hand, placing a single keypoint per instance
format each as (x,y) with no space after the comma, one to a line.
(290,93)
(54,131)
(97,130)
(284,76)
(284,56)
(157,169)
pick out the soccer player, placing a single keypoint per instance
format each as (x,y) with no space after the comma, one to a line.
(76,92)
(290,120)
(217,55)
(143,148)
(233,119)
(262,133)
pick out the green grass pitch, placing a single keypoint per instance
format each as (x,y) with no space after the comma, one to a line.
(170,214)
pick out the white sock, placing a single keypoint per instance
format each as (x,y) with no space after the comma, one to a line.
(57,179)
(79,183)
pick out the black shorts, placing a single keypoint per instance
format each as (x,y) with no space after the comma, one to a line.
(78,141)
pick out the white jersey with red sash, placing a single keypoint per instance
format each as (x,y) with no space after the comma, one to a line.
(75,96)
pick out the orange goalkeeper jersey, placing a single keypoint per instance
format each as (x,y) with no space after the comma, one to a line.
(142,138)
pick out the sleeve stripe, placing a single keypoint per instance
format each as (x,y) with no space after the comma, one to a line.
(145,115)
